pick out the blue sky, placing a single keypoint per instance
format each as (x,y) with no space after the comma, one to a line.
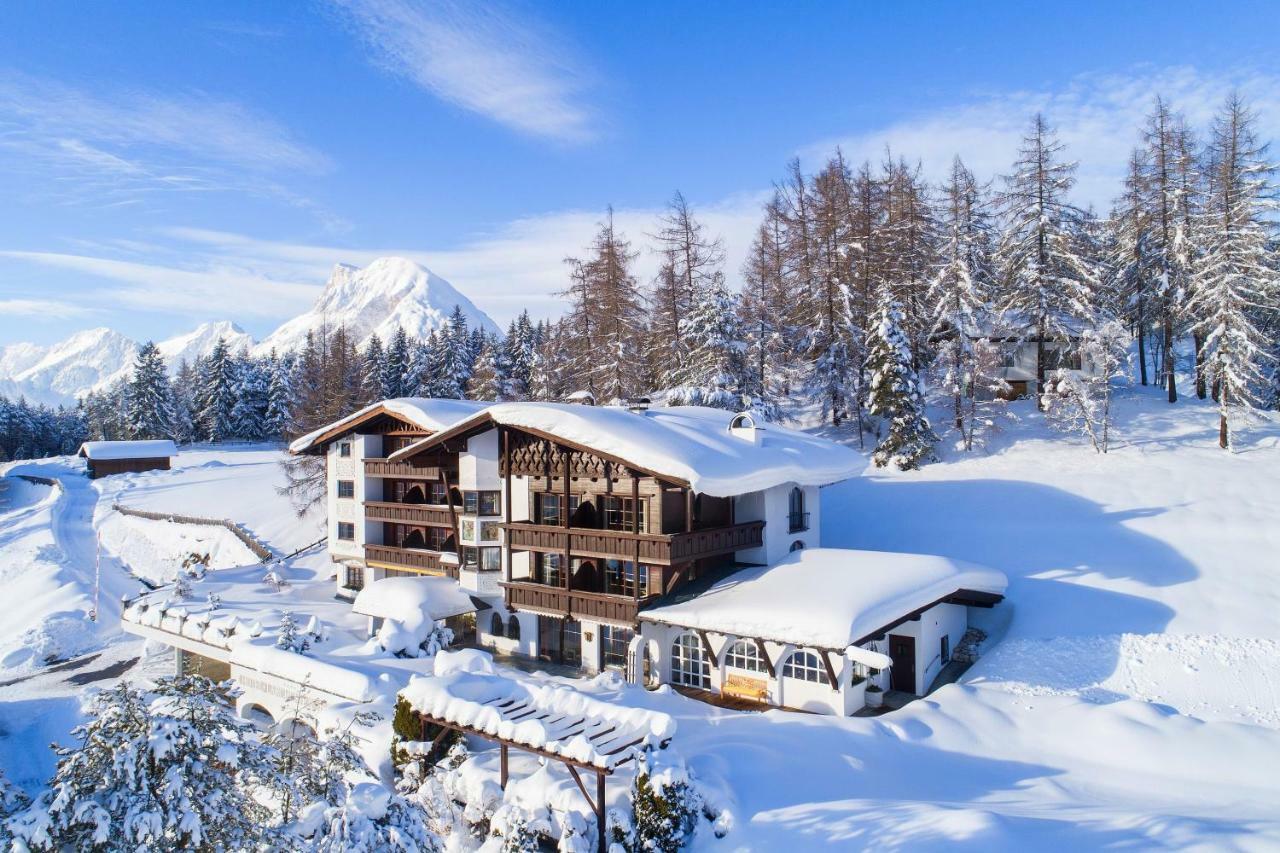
(167,163)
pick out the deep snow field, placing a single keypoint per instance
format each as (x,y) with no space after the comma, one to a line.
(1128,696)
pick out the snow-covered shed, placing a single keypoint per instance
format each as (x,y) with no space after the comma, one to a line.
(104,458)
(813,630)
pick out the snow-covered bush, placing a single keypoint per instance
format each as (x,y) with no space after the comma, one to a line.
(291,637)
(516,830)
(182,584)
(1080,402)
(664,808)
(372,820)
(12,801)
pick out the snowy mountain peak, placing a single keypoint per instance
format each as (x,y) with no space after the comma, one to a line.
(387,294)
(201,341)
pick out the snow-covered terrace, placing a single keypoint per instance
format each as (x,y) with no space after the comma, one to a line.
(539,716)
(715,452)
(830,598)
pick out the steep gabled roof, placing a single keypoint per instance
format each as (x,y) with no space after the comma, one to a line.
(426,413)
(686,444)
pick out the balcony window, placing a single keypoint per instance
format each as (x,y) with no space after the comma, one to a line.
(346,531)
(482,503)
(620,513)
(346,489)
(620,578)
(614,642)
(797,518)
(481,559)
(549,568)
(354,578)
(549,505)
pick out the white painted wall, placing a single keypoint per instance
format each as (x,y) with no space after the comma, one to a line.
(350,509)
(478,464)
(773,506)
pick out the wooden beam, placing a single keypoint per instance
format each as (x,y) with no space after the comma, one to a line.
(635,528)
(831,670)
(502,766)
(505,439)
(600,801)
(564,522)
(764,653)
(706,647)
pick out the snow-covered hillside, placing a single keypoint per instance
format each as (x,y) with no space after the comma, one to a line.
(389,293)
(93,359)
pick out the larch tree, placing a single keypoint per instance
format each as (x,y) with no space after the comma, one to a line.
(1238,282)
(1046,287)
(605,321)
(960,295)
(1129,242)
(834,333)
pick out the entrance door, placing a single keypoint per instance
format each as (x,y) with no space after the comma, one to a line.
(902,651)
(560,640)
(549,638)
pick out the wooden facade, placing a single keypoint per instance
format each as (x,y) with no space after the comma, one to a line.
(106,467)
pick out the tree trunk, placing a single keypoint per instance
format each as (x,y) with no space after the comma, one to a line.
(1222,432)
(1040,369)
(1171,381)
(1198,338)
(1142,343)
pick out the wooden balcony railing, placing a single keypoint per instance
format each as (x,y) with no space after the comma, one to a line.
(426,514)
(655,548)
(390,557)
(383,468)
(539,598)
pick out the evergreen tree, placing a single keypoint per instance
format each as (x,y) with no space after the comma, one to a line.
(894,393)
(1238,283)
(182,392)
(279,422)
(169,769)
(714,369)
(1047,288)
(249,415)
(394,375)
(148,399)
(960,294)
(216,395)
(372,362)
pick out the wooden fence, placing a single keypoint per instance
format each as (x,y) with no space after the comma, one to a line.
(257,546)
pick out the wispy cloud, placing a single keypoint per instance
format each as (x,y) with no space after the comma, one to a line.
(47,309)
(1098,116)
(480,58)
(112,148)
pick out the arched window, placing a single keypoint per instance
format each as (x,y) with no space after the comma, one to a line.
(797,518)
(513,627)
(744,654)
(495,625)
(742,421)
(804,666)
(688,667)
(797,545)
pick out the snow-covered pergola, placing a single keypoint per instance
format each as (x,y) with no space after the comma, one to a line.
(560,723)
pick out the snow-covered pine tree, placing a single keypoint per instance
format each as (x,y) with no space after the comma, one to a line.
(893,392)
(279,423)
(182,390)
(395,377)
(490,380)
(1129,247)
(960,295)
(216,394)
(291,637)
(714,368)
(520,345)
(1238,280)
(249,415)
(372,361)
(170,769)
(148,399)
(1047,289)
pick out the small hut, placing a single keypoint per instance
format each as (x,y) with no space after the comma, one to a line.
(121,457)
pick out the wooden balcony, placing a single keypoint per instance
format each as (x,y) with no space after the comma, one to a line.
(655,548)
(408,559)
(383,468)
(424,514)
(554,600)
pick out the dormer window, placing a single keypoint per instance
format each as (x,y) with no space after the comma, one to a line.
(797,518)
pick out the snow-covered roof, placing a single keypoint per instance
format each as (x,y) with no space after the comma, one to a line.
(692,444)
(827,598)
(411,599)
(426,413)
(152,449)
(536,714)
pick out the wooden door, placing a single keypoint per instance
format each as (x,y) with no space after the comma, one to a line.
(902,651)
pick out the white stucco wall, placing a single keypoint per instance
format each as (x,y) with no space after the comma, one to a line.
(478,464)
(773,506)
(350,509)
